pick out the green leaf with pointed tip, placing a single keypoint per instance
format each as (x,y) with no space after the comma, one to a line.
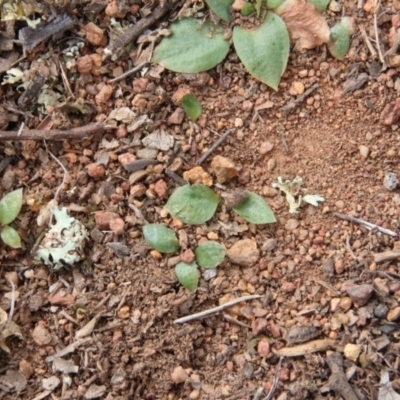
(191,106)
(10,237)
(188,275)
(10,206)
(221,8)
(161,238)
(193,204)
(255,210)
(193,46)
(320,5)
(264,51)
(210,254)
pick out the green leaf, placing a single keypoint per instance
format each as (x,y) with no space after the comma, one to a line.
(271,4)
(255,210)
(188,275)
(265,50)
(193,46)
(221,8)
(258,7)
(191,106)
(193,204)
(210,254)
(161,238)
(320,5)
(10,237)
(10,206)
(339,42)
(247,9)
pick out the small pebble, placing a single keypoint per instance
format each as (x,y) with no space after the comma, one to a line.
(269,245)
(339,204)
(391,181)
(41,335)
(393,314)
(271,164)
(96,171)
(360,294)
(292,224)
(364,151)
(179,375)
(51,383)
(351,352)
(381,311)
(265,147)
(345,303)
(147,154)
(244,252)
(259,325)
(26,368)
(124,312)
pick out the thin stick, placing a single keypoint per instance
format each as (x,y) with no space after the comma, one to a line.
(62,167)
(349,248)
(64,78)
(133,33)
(235,321)
(180,181)
(214,146)
(215,310)
(326,286)
(275,381)
(11,313)
(368,225)
(21,128)
(367,41)
(378,43)
(53,134)
(129,72)
(290,106)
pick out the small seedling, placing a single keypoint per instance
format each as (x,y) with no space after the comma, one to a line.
(191,106)
(10,206)
(197,45)
(194,205)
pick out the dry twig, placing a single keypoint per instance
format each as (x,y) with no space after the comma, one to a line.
(367,41)
(290,106)
(133,33)
(368,225)
(378,43)
(53,134)
(128,73)
(214,146)
(275,381)
(337,381)
(215,310)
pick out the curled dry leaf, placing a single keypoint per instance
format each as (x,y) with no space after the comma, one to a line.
(307,27)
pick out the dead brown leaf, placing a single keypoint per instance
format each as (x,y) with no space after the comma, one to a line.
(307,27)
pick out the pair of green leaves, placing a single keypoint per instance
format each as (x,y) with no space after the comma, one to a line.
(195,46)
(196,204)
(10,206)
(208,255)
